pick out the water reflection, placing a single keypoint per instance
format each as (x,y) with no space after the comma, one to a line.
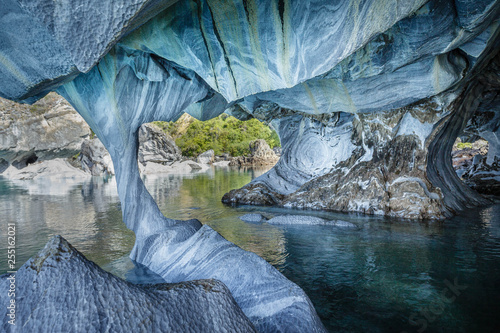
(385,276)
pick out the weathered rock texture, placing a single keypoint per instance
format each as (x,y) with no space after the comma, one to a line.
(95,159)
(59,290)
(368,96)
(260,154)
(207,157)
(156,146)
(46,130)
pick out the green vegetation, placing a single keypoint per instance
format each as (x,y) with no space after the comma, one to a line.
(463,145)
(223,134)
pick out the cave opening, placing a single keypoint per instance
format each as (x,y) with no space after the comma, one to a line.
(25,161)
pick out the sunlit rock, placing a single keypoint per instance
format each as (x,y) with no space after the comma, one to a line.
(95,159)
(207,157)
(46,130)
(260,154)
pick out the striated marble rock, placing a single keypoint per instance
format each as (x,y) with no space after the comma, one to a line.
(59,290)
(46,43)
(156,146)
(46,130)
(375,163)
(260,154)
(95,159)
(483,176)
(368,97)
(177,250)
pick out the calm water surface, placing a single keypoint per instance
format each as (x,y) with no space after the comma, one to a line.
(385,276)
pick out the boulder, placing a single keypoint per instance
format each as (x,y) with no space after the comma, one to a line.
(156,146)
(207,157)
(260,154)
(61,291)
(95,159)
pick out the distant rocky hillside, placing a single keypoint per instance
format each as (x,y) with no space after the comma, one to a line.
(48,129)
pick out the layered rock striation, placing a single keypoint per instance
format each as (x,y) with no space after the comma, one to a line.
(97,301)
(368,96)
(46,130)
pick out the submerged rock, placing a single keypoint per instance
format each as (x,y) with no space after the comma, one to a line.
(308,220)
(253,218)
(61,291)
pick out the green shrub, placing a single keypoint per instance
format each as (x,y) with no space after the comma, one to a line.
(223,134)
(463,145)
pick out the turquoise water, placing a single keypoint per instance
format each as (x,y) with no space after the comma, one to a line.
(385,276)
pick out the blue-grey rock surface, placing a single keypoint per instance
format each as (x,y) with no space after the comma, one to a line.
(308,220)
(59,290)
(368,97)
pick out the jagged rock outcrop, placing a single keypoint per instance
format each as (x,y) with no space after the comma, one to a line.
(59,290)
(95,159)
(260,154)
(483,176)
(45,130)
(463,157)
(156,146)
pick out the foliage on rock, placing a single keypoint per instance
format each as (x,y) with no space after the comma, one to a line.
(223,134)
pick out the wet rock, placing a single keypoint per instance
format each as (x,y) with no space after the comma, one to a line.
(260,154)
(308,220)
(253,218)
(297,219)
(156,146)
(59,282)
(207,157)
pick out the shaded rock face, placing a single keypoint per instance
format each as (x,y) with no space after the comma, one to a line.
(46,130)
(95,159)
(59,288)
(260,154)
(482,173)
(156,146)
(45,44)
(375,163)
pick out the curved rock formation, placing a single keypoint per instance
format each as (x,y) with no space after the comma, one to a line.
(97,301)
(368,97)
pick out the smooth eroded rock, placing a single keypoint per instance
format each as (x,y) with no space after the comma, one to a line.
(59,290)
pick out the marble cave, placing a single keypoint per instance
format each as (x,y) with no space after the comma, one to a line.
(367,96)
